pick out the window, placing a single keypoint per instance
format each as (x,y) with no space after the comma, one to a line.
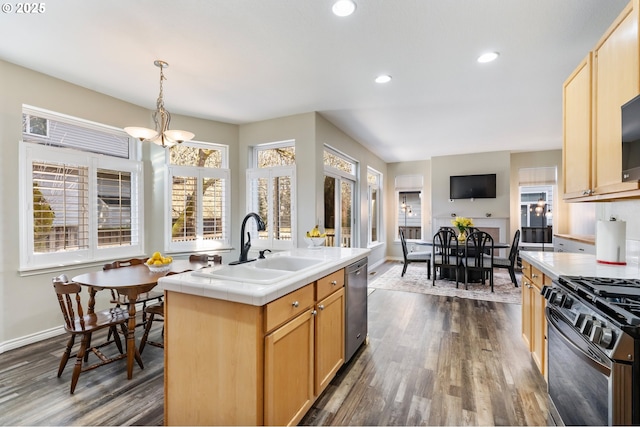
(271,194)
(537,188)
(199,196)
(339,199)
(76,205)
(374,184)
(409,206)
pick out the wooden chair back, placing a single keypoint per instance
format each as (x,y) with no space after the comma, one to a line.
(513,252)
(70,302)
(479,246)
(124,263)
(403,242)
(211,259)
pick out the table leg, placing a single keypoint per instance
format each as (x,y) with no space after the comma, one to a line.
(132,351)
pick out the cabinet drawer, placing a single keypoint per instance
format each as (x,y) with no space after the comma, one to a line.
(537,277)
(526,268)
(289,306)
(329,284)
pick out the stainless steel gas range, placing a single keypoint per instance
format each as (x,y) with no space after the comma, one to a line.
(593,333)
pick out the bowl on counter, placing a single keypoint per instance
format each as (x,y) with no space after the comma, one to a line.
(315,242)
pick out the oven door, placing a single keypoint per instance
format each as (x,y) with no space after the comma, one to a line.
(579,376)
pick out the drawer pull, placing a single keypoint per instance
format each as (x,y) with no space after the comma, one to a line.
(295,304)
(334,282)
(321,306)
(534,276)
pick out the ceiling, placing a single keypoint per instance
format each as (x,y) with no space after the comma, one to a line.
(241,61)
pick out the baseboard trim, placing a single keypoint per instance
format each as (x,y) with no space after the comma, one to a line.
(31,339)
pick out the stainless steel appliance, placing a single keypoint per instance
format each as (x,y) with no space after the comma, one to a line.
(593,341)
(356,307)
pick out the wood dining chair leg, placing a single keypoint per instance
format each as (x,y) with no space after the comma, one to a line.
(116,339)
(147,329)
(86,354)
(77,369)
(66,355)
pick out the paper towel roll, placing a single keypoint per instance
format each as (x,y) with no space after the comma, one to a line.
(611,242)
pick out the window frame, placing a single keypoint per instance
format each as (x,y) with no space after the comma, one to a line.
(371,187)
(32,152)
(352,177)
(200,173)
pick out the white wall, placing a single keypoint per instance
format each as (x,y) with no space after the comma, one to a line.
(28,307)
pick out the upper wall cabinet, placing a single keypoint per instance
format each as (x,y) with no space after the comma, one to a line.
(576,152)
(593,95)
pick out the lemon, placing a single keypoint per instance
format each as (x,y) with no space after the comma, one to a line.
(150,261)
(156,256)
(157,262)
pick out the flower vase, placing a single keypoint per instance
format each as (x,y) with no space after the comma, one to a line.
(462,236)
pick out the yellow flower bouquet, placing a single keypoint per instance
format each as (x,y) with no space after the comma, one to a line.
(462,224)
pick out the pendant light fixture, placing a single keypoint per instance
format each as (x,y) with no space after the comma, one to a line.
(162,135)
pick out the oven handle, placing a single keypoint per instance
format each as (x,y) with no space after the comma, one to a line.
(551,321)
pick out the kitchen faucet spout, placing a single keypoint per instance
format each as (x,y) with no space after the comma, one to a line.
(244,247)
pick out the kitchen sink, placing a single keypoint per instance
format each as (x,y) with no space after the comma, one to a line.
(288,263)
(243,273)
(263,271)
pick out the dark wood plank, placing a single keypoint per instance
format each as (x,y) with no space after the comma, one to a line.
(430,360)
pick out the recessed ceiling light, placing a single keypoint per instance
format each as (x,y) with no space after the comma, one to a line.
(384,78)
(488,57)
(343,7)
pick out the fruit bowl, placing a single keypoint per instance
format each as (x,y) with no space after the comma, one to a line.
(314,242)
(159,268)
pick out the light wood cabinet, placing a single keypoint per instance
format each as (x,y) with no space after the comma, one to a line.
(329,351)
(228,363)
(576,152)
(534,326)
(288,375)
(592,97)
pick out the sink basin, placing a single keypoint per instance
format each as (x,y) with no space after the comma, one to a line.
(243,273)
(263,271)
(288,263)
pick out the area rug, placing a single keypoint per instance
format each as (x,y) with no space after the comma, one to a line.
(415,280)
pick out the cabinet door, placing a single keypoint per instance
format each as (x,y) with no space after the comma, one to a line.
(616,81)
(576,153)
(526,312)
(288,376)
(329,339)
(538,328)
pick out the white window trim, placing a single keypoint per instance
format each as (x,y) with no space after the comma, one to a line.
(396,238)
(199,172)
(270,173)
(341,175)
(378,208)
(28,153)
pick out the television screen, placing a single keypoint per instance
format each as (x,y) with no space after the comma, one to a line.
(472,186)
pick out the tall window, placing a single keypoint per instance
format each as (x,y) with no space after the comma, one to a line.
(199,180)
(537,189)
(373,184)
(271,194)
(339,199)
(409,206)
(80,192)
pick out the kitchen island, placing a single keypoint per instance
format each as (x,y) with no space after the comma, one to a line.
(254,351)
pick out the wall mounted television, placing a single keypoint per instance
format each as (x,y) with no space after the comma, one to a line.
(472,186)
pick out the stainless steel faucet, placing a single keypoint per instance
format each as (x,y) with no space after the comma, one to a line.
(244,247)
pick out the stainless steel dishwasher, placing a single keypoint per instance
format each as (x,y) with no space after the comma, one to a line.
(356,307)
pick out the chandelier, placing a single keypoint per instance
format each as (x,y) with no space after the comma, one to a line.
(161,135)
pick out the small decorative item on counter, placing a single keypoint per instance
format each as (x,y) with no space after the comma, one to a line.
(314,238)
(158,263)
(462,224)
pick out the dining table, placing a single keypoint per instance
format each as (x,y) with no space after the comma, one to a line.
(130,281)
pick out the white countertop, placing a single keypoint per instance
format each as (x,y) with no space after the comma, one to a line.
(259,294)
(554,264)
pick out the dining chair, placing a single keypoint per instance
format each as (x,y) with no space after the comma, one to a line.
(445,253)
(477,246)
(409,257)
(210,259)
(77,322)
(510,262)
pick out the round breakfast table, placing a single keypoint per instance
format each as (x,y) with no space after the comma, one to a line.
(130,281)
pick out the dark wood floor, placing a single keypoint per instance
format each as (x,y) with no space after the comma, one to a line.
(430,361)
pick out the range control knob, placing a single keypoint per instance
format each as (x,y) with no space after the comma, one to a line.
(567,303)
(596,332)
(577,321)
(585,326)
(606,338)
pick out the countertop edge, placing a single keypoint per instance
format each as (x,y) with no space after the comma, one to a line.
(259,295)
(555,264)
(582,238)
